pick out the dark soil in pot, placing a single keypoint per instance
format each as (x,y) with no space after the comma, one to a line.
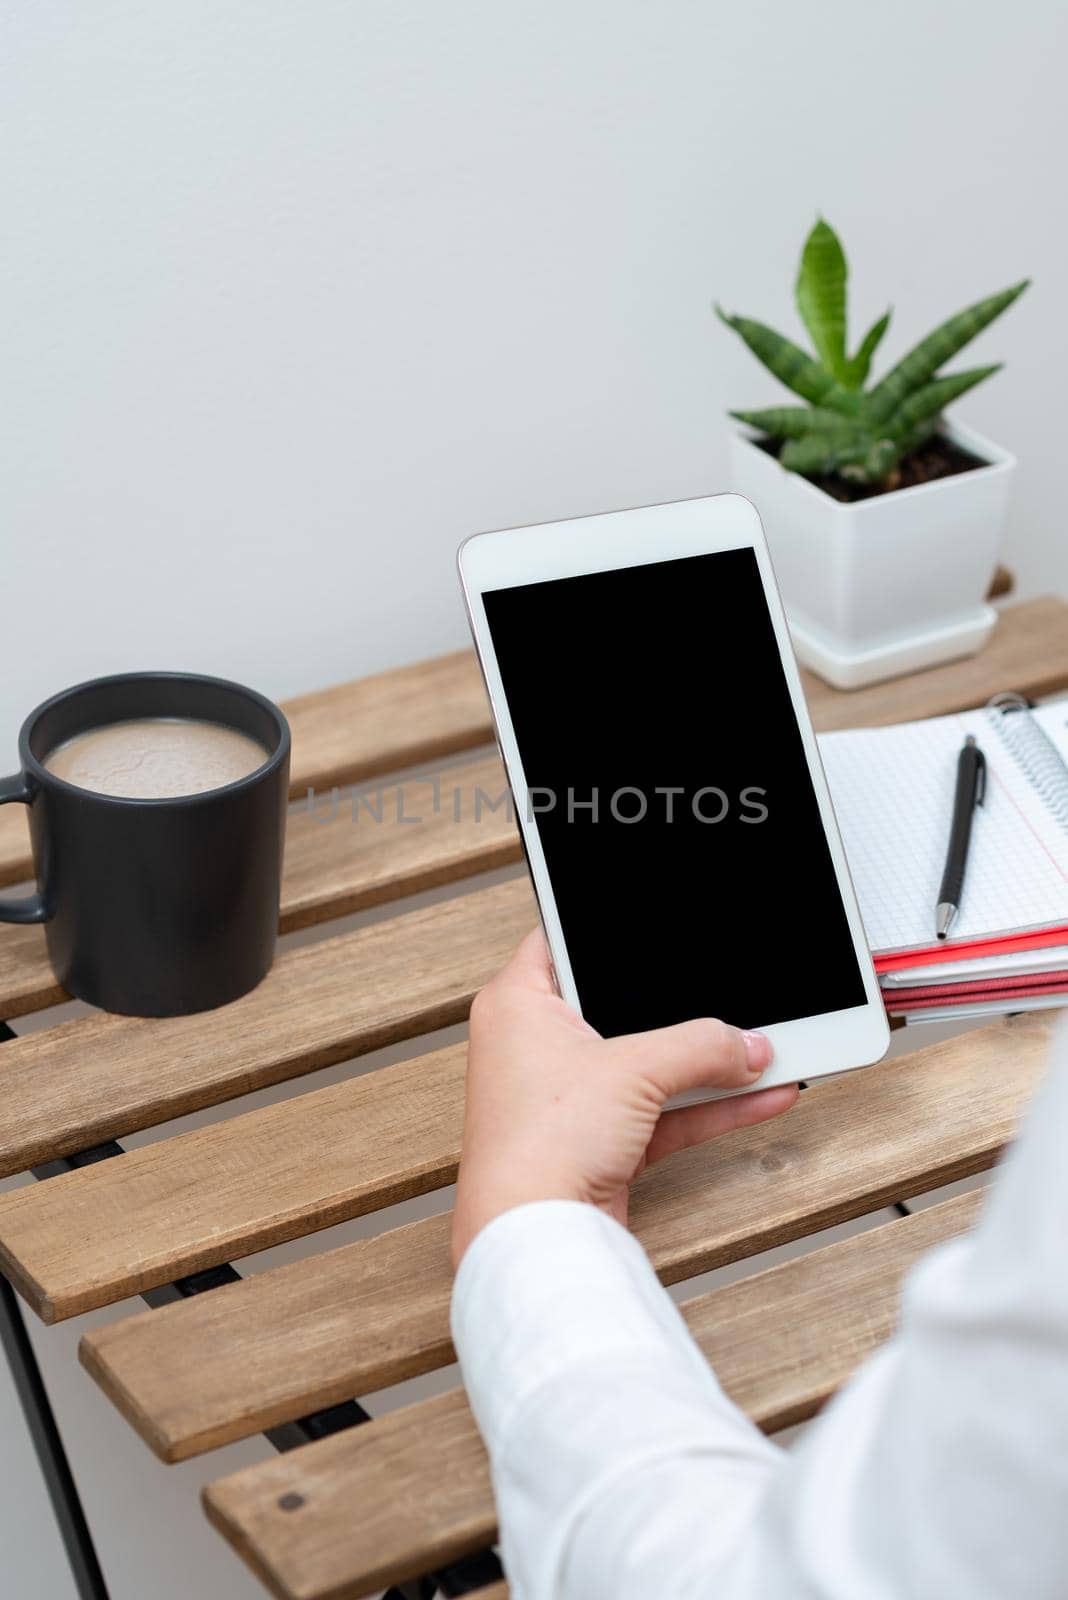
(938,458)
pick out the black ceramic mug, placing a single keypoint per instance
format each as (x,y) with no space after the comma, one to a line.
(154,907)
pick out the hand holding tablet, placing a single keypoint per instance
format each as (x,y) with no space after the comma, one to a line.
(554,1112)
(667,782)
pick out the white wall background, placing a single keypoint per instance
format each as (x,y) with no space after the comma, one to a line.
(296,296)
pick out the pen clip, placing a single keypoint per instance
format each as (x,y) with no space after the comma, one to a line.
(980,777)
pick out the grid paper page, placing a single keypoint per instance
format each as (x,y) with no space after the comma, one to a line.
(893,794)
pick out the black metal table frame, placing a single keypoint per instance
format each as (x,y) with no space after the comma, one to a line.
(459,1578)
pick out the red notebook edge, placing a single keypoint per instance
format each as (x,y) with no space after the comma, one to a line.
(979,996)
(962,949)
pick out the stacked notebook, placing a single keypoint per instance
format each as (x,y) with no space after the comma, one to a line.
(893,793)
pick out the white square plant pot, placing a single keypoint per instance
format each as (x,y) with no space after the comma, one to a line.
(887,585)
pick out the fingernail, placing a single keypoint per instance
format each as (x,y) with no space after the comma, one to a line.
(757,1052)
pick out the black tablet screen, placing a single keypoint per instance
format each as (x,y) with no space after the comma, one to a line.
(669,787)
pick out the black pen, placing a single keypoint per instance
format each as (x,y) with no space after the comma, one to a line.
(971,791)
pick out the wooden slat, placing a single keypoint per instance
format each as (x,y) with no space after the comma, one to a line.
(1002,583)
(394,719)
(334,867)
(96,1078)
(421,712)
(15,860)
(246,1357)
(432,831)
(420,1476)
(224,1191)
(27,982)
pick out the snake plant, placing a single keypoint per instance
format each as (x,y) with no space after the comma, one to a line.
(860,434)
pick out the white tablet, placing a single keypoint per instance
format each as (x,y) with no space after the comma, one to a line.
(667,781)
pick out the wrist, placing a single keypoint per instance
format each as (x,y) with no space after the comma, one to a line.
(483,1196)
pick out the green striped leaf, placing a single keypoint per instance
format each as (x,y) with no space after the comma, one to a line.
(924,360)
(790,364)
(822,452)
(860,365)
(820,292)
(793,422)
(934,397)
(880,461)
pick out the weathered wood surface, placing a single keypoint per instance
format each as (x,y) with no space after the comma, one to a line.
(99,1077)
(219,1367)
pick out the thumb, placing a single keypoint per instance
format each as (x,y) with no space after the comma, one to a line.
(529,967)
(702,1054)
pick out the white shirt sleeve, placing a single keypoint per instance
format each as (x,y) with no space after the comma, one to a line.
(622,1471)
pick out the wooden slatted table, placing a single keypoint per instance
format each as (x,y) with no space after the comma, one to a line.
(361,1504)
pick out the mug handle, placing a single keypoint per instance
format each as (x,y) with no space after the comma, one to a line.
(31,907)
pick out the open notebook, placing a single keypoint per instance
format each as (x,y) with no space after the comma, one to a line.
(893,794)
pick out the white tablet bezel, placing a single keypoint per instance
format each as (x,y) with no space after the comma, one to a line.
(810,1047)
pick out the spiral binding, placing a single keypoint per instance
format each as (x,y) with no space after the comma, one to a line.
(1033,751)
